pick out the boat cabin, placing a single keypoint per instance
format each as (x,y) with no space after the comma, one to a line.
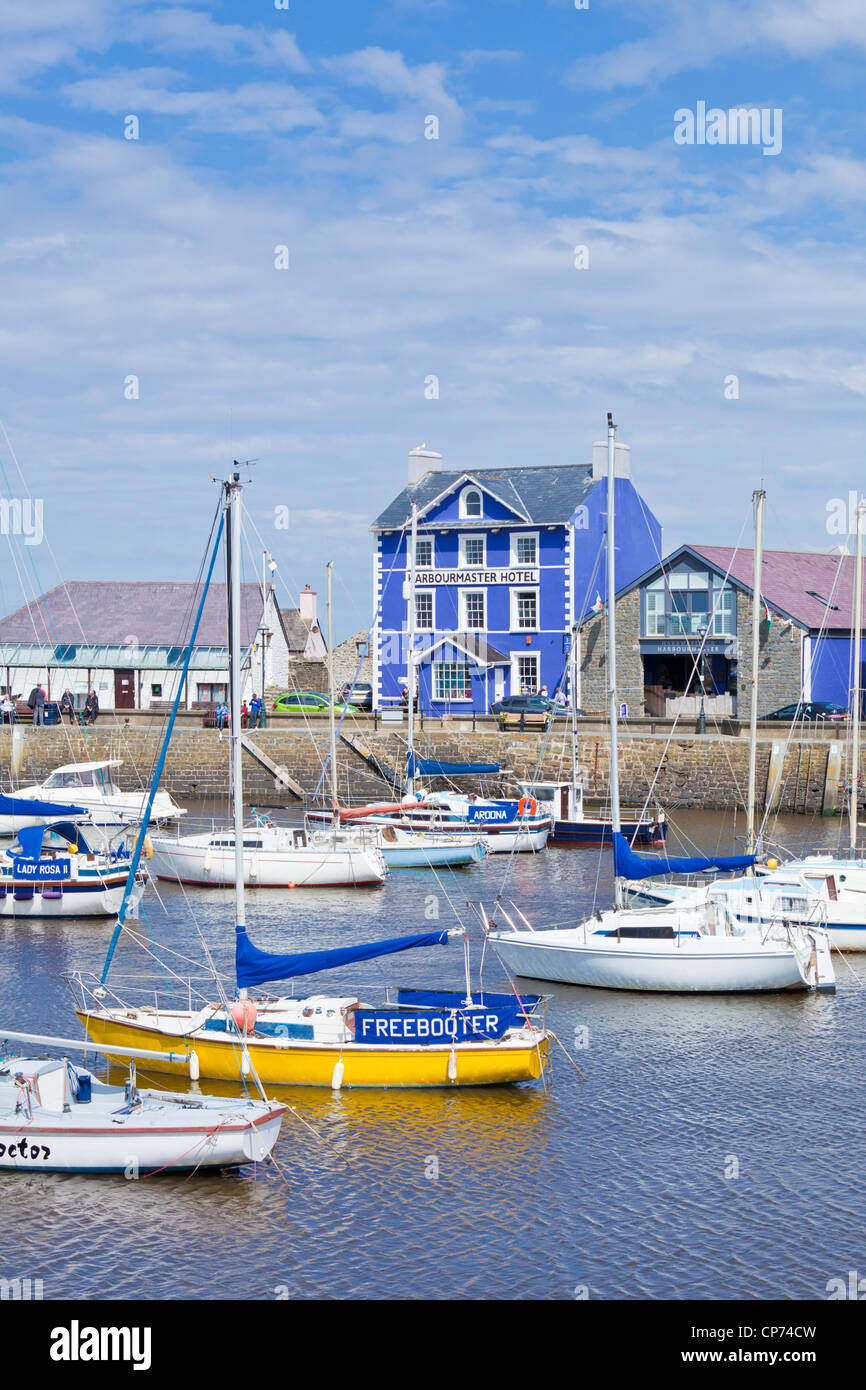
(559,800)
(76,776)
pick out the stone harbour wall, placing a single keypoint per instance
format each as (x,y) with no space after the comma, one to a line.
(701,771)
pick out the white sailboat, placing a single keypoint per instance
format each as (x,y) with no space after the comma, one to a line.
(61,869)
(696,947)
(57,1117)
(92,786)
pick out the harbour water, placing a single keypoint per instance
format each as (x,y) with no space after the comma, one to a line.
(707,1147)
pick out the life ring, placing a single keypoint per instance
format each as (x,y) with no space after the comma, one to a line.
(147,847)
(527,803)
(349,1018)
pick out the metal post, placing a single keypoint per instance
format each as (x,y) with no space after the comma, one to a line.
(758,498)
(855,710)
(335,800)
(411,672)
(233,553)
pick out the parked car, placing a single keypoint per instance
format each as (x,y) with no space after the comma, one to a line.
(808,709)
(530,704)
(309,702)
(360,694)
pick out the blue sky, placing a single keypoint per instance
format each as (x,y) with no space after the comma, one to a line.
(411,257)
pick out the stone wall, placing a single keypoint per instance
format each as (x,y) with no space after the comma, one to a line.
(706,771)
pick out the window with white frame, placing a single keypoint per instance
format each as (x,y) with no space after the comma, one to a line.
(524,610)
(473,552)
(473,604)
(470,502)
(452,680)
(424,553)
(524,548)
(424,610)
(524,674)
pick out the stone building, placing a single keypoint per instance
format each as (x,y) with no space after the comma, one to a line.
(684,629)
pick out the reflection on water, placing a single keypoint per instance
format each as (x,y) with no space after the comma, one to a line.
(618,1183)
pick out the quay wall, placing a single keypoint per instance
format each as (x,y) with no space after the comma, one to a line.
(708,771)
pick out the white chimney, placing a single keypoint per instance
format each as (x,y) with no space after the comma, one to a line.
(307,606)
(621,460)
(423,460)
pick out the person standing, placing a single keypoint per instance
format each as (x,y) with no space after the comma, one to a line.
(255,711)
(245,714)
(36,701)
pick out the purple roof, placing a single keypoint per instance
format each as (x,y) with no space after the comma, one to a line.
(110,614)
(790,579)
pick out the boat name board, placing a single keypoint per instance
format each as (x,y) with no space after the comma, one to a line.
(502,814)
(41,870)
(424,578)
(465,1025)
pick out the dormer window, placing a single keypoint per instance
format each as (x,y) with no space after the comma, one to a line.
(470,502)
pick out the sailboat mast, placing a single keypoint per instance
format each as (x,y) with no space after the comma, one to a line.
(233,551)
(758,498)
(410,664)
(611,629)
(855,710)
(332,727)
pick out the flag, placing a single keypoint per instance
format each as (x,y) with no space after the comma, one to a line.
(767,614)
(598,606)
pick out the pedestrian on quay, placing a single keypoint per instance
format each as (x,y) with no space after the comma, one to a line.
(91,708)
(222,714)
(245,714)
(67,706)
(256,708)
(36,701)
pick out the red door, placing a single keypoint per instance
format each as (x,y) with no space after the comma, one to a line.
(124,690)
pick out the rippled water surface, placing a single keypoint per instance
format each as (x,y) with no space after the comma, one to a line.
(616,1183)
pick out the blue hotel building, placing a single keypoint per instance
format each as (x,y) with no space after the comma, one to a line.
(508,562)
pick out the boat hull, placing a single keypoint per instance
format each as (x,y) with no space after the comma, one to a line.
(290,1063)
(706,966)
(591,832)
(432,856)
(303,868)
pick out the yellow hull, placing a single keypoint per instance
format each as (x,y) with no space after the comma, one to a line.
(289,1063)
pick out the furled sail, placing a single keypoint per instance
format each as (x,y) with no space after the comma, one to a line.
(18,806)
(627,864)
(431,767)
(255,967)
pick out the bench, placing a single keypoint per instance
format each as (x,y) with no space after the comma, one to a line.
(524,719)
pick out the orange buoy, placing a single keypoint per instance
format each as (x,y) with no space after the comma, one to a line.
(290,884)
(244,1014)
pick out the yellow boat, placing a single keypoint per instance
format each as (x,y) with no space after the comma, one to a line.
(334,1059)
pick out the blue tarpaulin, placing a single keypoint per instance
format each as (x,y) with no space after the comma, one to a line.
(453,999)
(627,864)
(18,806)
(430,767)
(255,967)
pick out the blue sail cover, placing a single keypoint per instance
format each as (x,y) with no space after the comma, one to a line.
(255,967)
(627,864)
(453,999)
(18,806)
(429,767)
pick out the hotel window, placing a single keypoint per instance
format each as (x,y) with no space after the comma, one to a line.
(424,610)
(526,675)
(470,502)
(524,549)
(725,615)
(524,610)
(683,604)
(473,608)
(655,613)
(452,680)
(473,552)
(424,553)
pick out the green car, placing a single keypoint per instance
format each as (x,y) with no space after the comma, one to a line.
(308,702)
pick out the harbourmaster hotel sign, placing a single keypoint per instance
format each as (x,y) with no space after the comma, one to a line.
(424,578)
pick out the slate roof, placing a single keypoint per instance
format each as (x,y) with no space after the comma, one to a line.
(296,630)
(106,613)
(544,496)
(788,577)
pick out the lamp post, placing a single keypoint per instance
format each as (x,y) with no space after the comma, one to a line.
(702,717)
